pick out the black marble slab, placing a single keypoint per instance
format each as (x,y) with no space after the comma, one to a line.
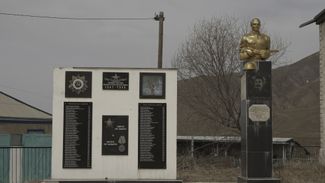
(77,135)
(259,137)
(259,164)
(115,135)
(115,81)
(256,136)
(152,136)
(256,125)
(243,163)
(243,124)
(78,84)
(258,180)
(257,83)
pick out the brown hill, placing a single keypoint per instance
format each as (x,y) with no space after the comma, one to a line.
(295,105)
(296,101)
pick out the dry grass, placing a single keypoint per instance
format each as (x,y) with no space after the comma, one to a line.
(301,172)
(218,169)
(206,169)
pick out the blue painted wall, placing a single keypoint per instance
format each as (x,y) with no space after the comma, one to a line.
(36,140)
(4,157)
(35,157)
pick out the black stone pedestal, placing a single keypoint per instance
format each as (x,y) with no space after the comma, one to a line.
(112,181)
(258,180)
(256,125)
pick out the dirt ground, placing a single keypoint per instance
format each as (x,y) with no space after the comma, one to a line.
(214,169)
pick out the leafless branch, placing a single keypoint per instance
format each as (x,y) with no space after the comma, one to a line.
(209,60)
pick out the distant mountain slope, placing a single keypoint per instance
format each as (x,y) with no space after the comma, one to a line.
(295,105)
(296,101)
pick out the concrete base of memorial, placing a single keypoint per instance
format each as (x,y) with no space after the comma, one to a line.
(258,180)
(109,181)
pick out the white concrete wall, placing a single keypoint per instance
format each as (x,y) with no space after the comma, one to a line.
(322,91)
(114,102)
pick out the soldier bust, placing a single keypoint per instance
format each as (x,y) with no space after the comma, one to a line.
(254,46)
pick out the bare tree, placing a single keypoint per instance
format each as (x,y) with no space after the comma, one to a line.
(277,43)
(209,61)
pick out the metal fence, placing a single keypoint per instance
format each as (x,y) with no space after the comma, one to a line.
(24,164)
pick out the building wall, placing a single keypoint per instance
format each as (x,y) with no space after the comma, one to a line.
(19,128)
(322,90)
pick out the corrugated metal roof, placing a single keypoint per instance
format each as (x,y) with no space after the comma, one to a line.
(11,107)
(211,138)
(319,18)
(276,140)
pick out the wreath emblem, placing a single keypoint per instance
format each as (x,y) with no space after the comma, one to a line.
(78,84)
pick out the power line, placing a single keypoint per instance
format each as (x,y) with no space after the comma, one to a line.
(74,18)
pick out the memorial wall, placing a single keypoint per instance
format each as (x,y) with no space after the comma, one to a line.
(114,123)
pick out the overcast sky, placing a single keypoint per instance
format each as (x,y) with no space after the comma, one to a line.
(31,48)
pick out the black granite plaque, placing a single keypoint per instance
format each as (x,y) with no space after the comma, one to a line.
(78,84)
(152,136)
(115,135)
(115,81)
(77,135)
(152,85)
(256,125)
(258,82)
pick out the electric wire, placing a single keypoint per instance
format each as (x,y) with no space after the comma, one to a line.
(76,18)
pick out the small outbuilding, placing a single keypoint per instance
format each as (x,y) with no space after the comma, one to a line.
(319,19)
(283,148)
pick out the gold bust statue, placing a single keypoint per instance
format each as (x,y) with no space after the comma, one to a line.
(254,46)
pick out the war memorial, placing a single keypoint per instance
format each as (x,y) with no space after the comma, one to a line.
(256,108)
(119,124)
(114,125)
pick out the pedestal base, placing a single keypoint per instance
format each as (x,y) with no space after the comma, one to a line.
(109,181)
(257,180)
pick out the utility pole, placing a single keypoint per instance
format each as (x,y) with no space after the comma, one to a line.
(161,19)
